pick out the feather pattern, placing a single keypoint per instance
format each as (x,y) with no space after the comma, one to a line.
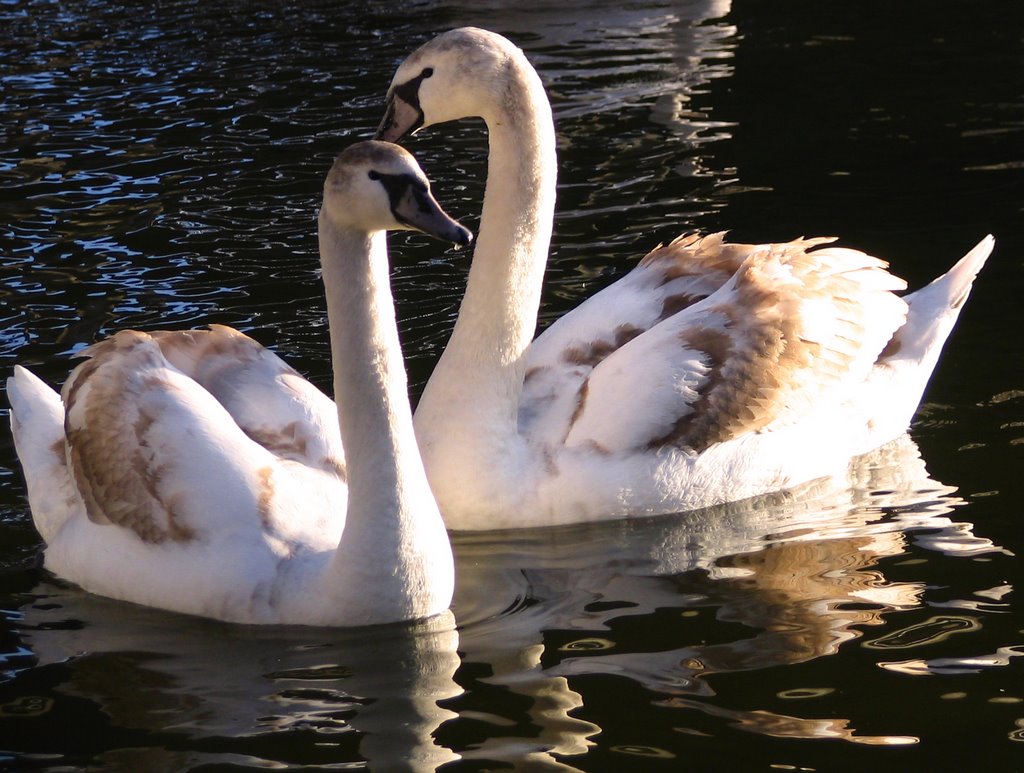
(266,397)
(788,327)
(140,434)
(667,280)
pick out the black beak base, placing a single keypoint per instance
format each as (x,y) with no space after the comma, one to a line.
(413,205)
(401,120)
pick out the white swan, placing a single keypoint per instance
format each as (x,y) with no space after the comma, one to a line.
(712,372)
(149,482)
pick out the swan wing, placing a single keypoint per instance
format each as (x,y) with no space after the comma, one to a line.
(265,396)
(796,325)
(667,280)
(153,452)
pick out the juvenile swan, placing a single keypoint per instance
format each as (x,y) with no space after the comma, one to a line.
(194,471)
(710,373)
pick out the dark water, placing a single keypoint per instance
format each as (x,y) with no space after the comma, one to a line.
(160,167)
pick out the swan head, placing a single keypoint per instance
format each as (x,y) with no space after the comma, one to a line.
(377,186)
(461,73)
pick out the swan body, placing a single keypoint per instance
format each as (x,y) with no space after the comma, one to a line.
(195,471)
(711,373)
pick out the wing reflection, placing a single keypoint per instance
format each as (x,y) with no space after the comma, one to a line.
(784,726)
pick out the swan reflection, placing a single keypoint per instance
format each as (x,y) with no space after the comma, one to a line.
(181,691)
(668,603)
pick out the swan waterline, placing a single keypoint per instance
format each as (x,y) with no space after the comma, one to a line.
(194,471)
(711,373)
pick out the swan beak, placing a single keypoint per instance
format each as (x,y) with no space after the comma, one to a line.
(417,209)
(401,120)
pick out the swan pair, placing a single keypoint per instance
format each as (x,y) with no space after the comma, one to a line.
(712,372)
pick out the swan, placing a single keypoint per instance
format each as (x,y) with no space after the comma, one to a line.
(154,479)
(710,373)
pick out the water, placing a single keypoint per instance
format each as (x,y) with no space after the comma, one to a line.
(161,168)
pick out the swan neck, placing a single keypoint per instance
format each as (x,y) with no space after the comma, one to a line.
(391,512)
(497,318)
(369,381)
(503,290)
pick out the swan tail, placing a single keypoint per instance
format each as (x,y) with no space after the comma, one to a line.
(934,309)
(37,424)
(905,366)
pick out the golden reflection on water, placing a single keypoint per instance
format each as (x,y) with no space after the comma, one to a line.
(956,665)
(785,726)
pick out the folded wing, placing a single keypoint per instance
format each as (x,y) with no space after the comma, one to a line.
(666,281)
(796,324)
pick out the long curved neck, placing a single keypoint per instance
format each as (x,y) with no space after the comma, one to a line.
(393,530)
(483,366)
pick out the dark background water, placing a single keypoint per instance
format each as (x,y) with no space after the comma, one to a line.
(161,167)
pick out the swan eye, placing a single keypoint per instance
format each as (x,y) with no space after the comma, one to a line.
(427,72)
(373,175)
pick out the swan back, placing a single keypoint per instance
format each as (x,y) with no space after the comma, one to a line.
(136,431)
(793,327)
(266,397)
